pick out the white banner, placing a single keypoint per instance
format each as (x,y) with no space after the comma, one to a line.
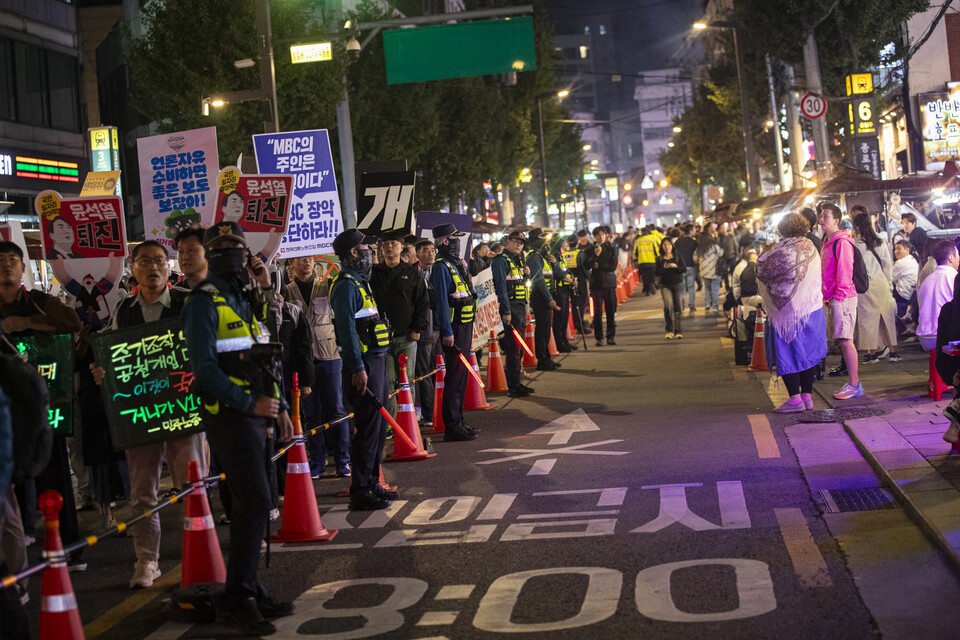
(487,317)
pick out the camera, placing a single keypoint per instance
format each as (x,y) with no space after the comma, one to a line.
(353,49)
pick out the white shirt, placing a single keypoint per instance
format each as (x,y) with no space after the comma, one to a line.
(905,272)
(735,281)
(935,291)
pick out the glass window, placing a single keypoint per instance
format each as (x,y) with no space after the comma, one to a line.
(39,87)
(30,82)
(7,105)
(603,30)
(63,91)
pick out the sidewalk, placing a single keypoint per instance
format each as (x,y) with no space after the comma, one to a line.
(904,446)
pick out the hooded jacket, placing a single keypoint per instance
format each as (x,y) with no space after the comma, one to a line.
(837,267)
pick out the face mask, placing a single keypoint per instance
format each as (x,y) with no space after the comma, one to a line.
(452,248)
(227,262)
(363,265)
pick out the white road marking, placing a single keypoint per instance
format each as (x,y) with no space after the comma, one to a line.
(569,514)
(532,453)
(293,546)
(498,506)
(424,512)
(415,538)
(170,631)
(674,508)
(455,592)
(609,497)
(565,426)
(542,467)
(437,618)
(528,530)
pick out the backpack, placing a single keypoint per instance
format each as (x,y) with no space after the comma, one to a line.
(29,416)
(861,281)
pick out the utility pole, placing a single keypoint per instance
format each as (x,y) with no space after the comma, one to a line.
(268,76)
(794,132)
(811,64)
(753,175)
(775,118)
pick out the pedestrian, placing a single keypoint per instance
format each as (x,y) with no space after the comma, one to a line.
(840,294)
(402,298)
(363,337)
(905,271)
(917,236)
(510,284)
(241,401)
(935,291)
(686,247)
(876,309)
(707,257)
(645,252)
(811,217)
(427,348)
(541,298)
(324,403)
(453,319)
(744,280)
(730,250)
(602,263)
(948,367)
(480,258)
(670,269)
(796,335)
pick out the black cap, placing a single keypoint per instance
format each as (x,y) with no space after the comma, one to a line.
(516,235)
(397,236)
(225,229)
(11,247)
(446,229)
(537,234)
(572,239)
(349,239)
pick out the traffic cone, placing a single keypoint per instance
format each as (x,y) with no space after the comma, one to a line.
(628,283)
(621,298)
(571,330)
(438,426)
(59,618)
(301,516)
(552,344)
(529,357)
(407,421)
(475,399)
(758,361)
(496,376)
(202,558)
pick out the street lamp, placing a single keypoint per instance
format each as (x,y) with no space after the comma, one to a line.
(751,160)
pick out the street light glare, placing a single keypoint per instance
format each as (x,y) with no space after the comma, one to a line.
(670,144)
(217,102)
(587,147)
(246,63)
(594,161)
(563,94)
(677,129)
(699,26)
(663,183)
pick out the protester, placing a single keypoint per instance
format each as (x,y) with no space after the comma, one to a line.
(670,268)
(453,319)
(541,298)
(840,294)
(707,257)
(876,308)
(936,291)
(480,258)
(508,280)
(602,264)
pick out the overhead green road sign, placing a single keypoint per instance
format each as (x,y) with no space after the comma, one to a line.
(459,50)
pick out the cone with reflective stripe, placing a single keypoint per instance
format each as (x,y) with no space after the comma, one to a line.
(621,297)
(496,376)
(407,421)
(758,361)
(59,618)
(628,283)
(438,426)
(529,337)
(475,399)
(301,516)
(552,344)
(202,559)
(571,330)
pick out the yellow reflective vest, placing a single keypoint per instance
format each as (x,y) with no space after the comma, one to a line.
(372,331)
(460,299)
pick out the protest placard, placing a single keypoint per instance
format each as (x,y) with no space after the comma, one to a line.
(487,317)
(315,216)
(53,357)
(385,202)
(177,171)
(260,204)
(100,183)
(80,227)
(146,390)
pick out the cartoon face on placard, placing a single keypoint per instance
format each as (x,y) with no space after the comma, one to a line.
(81,227)
(260,204)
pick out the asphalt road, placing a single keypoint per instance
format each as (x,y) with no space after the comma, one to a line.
(643,491)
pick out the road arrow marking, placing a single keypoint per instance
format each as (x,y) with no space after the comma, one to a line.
(565,426)
(533,453)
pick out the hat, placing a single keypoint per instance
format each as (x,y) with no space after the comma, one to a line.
(225,229)
(537,234)
(516,235)
(573,239)
(350,238)
(394,235)
(446,229)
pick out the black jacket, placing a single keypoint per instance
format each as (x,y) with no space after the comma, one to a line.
(401,296)
(671,275)
(603,268)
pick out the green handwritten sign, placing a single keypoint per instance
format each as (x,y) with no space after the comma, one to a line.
(146,390)
(53,357)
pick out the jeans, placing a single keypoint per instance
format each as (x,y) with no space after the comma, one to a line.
(325,404)
(711,293)
(672,295)
(690,287)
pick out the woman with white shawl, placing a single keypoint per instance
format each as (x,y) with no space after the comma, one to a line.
(795,336)
(876,308)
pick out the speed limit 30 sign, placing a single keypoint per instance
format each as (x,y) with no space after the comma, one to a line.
(813,106)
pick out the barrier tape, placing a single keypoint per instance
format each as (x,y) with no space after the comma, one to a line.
(51,559)
(414,381)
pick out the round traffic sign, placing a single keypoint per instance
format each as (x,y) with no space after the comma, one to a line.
(813,106)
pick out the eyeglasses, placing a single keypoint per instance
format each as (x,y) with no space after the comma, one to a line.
(146,262)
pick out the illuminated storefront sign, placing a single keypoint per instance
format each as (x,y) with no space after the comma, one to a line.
(45,169)
(940,118)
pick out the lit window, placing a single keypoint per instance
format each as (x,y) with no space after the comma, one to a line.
(586,30)
(603,30)
(583,51)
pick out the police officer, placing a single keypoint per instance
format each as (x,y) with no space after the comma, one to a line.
(511,286)
(363,338)
(453,319)
(573,260)
(237,376)
(562,294)
(541,298)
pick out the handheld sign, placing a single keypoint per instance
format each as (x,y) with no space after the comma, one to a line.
(146,390)
(81,227)
(53,357)
(260,204)
(385,202)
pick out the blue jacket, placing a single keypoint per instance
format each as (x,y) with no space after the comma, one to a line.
(346,300)
(501,269)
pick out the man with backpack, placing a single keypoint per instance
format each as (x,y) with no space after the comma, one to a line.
(839,267)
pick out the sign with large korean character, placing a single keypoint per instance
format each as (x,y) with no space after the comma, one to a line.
(315,215)
(260,204)
(81,227)
(146,390)
(940,118)
(177,173)
(385,202)
(53,357)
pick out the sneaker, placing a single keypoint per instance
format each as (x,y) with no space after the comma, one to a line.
(343,470)
(24,595)
(871,358)
(849,391)
(270,607)
(808,404)
(76,563)
(791,407)
(678,336)
(459,435)
(246,618)
(895,357)
(952,434)
(599,343)
(611,342)
(384,494)
(367,502)
(144,573)
(884,354)
(839,370)
(668,336)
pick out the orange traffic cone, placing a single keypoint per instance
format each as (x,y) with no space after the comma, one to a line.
(59,618)
(496,376)
(407,421)
(301,516)
(529,357)
(475,399)
(438,426)
(758,361)
(552,345)
(571,330)
(621,298)
(628,283)
(202,559)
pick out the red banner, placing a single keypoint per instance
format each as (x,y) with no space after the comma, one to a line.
(81,227)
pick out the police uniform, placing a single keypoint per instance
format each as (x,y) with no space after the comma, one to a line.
(541,297)
(562,293)
(573,263)
(453,316)
(511,288)
(362,337)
